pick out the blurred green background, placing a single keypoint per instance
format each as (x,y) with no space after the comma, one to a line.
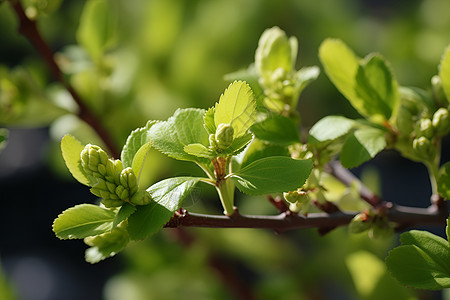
(153,57)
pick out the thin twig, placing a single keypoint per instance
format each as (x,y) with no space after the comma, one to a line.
(28,28)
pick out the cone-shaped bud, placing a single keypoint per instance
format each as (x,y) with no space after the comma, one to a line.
(424,148)
(441,121)
(360,223)
(425,128)
(128,179)
(296,196)
(224,136)
(141,198)
(91,157)
(122,192)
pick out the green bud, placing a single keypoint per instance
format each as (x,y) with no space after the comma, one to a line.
(381,229)
(122,192)
(300,207)
(425,128)
(141,198)
(441,121)
(275,50)
(224,136)
(424,148)
(360,223)
(438,91)
(128,179)
(296,196)
(112,202)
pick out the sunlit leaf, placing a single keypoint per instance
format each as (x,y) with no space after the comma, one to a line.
(236,106)
(82,221)
(331,128)
(71,149)
(135,141)
(444,72)
(423,261)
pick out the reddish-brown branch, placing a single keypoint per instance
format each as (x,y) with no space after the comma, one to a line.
(28,28)
(404,217)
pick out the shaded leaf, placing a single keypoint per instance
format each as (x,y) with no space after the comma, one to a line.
(361,146)
(276,129)
(106,245)
(274,174)
(135,141)
(124,212)
(82,221)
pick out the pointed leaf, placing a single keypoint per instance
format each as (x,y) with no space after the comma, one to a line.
(124,212)
(277,130)
(82,221)
(236,106)
(444,72)
(274,174)
(168,196)
(361,146)
(185,127)
(423,261)
(135,141)
(208,119)
(139,160)
(71,149)
(199,150)
(331,128)
(249,75)
(171,192)
(378,88)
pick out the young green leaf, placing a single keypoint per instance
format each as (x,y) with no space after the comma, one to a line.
(258,149)
(171,192)
(124,212)
(277,130)
(249,75)
(135,141)
(97,29)
(423,261)
(378,88)
(71,149)
(185,127)
(341,66)
(199,150)
(139,160)
(106,245)
(82,221)
(208,120)
(236,106)
(361,146)
(272,175)
(331,127)
(444,72)
(168,195)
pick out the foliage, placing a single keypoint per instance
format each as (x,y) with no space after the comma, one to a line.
(252,139)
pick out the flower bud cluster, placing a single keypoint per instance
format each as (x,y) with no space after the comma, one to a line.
(108,179)
(298,200)
(376,226)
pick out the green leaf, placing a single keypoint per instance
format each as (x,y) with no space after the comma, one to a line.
(331,128)
(304,77)
(361,146)
(71,149)
(199,150)
(274,174)
(97,30)
(139,160)
(236,106)
(258,149)
(106,245)
(249,75)
(3,138)
(444,72)
(423,261)
(168,196)
(147,220)
(444,181)
(377,86)
(208,120)
(277,130)
(341,66)
(82,221)
(185,127)
(124,212)
(135,141)
(171,192)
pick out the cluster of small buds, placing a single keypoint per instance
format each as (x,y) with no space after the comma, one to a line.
(108,179)
(298,200)
(223,138)
(427,129)
(376,226)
